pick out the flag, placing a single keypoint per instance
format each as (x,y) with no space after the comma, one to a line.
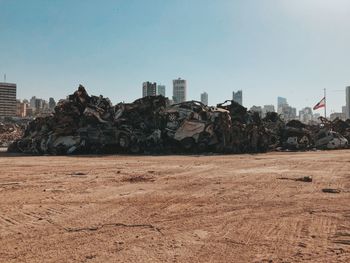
(321,104)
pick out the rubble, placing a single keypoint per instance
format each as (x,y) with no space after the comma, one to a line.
(91,124)
(247,132)
(195,127)
(9,132)
(296,136)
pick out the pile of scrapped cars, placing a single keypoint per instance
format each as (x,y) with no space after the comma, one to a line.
(84,124)
(295,135)
(9,132)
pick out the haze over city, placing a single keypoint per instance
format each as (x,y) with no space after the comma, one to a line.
(292,49)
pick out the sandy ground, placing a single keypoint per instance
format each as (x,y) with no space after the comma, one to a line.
(238,208)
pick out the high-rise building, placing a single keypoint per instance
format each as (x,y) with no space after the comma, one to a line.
(39,105)
(32,102)
(161,90)
(280,103)
(347,93)
(287,112)
(238,97)
(149,89)
(8,103)
(179,90)
(204,98)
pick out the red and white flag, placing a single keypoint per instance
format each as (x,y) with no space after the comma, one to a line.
(321,104)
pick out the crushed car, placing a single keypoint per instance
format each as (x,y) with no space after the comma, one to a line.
(195,126)
(327,139)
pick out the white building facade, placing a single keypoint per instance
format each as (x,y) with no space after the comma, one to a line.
(347,94)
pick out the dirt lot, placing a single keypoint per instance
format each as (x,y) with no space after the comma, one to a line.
(240,208)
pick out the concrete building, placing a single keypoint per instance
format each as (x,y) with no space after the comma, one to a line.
(21,109)
(238,97)
(280,103)
(204,98)
(161,90)
(266,109)
(149,89)
(32,103)
(347,93)
(42,108)
(8,103)
(288,113)
(179,90)
(38,105)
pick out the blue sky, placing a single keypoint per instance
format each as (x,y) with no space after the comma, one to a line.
(267,48)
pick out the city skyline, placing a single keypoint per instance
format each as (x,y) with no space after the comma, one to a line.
(159,89)
(338,108)
(37,106)
(292,49)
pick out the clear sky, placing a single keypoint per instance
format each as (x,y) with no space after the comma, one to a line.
(267,48)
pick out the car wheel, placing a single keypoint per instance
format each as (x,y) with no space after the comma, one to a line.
(187,144)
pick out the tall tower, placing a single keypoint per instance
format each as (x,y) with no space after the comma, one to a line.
(8,103)
(280,103)
(238,97)
(149,89)
(347,94)
(204,98)
(179,90)
(161,90)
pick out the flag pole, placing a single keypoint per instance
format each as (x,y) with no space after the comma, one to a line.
(325,104)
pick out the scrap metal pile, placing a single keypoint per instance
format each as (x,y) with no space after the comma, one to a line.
(10,132)
(91,124)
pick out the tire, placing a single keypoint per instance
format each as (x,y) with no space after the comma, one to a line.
(135,148)
(187,144)
(202,146)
